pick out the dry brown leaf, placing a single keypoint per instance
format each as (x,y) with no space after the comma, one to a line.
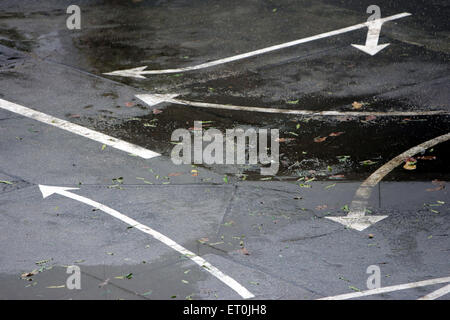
(410,164)
(427,158)
(320,139)
(357,105)
(175,174)
(336,134)
(285,139)
(244,251)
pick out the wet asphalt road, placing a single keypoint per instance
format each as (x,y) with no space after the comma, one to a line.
(291,251)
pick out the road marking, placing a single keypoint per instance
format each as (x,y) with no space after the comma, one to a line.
(139,72)
(373,35)
(388,289)
(436,294)
(356,217)
(79,130)
(233,284)
(155,99)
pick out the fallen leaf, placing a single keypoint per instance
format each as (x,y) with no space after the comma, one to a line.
(320,139)
(244,251)
(410,164)
(440,185)
(203,240)
(129,104)
(368,162)
(427,158)
(175,174)
(357,105)
(29,274)
(336,134)
(285,139)
(5,182)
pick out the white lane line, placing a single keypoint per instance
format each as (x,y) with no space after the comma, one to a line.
(437,294)
(140,71)
(359,204)
(79,130)
(388,289)
(233,284)
(155,99)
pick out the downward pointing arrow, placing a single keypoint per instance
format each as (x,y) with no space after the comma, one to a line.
(233,284)
(373,35)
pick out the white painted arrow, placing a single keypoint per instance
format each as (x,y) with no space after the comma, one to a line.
(155,99)
(139,72)
(233,284)
(356,218)
(373,35)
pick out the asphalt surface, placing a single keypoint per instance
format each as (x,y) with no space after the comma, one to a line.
(270,234)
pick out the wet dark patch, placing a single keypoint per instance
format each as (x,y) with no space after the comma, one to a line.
(14,39)
(353,147)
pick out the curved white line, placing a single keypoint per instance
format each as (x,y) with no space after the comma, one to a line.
(233,284)
(362,195)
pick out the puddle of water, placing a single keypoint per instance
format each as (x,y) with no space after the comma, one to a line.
(353,147)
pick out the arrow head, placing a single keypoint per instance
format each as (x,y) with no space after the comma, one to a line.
(133,73)
(371,49)
(154,99)
(359,223)
(49,190)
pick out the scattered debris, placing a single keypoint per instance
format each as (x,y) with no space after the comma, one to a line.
(410,164)
(357,105)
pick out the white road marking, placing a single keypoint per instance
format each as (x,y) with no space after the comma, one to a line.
(388,289)
(79,130)
(373,35)
(233,284)
(437,294)
(155,99)
(356,218)
(140,71)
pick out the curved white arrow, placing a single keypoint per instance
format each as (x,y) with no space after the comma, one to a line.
(155,99)
(139,72)
(233,284)
(356,218)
